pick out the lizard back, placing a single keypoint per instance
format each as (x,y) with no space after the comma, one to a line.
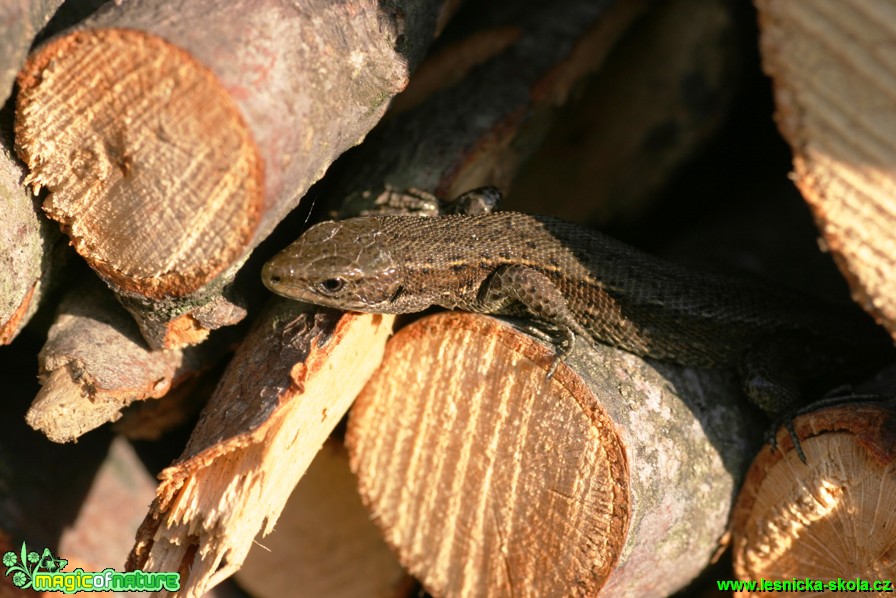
(621,296)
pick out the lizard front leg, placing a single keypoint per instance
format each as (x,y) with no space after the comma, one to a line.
(482,200)
(517,290)
(416,202)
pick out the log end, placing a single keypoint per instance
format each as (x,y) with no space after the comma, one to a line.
(456,447)
(827,519)
(67,405)
(834,92)
(123,128)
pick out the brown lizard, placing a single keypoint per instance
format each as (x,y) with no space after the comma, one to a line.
(566,282)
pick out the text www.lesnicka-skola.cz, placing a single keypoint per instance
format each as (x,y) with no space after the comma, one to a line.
(856,584)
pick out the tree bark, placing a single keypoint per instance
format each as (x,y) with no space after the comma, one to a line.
(30,247)
(205,120)
(21,20)
(831,65)
(94,364)
(615,476)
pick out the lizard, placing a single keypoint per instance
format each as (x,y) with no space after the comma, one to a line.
(567,281)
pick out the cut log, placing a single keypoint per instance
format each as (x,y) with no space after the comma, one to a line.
(21,20)
(94,364)
(257,436)
(324,542)
(196,126)
(193,495)
(831,518)
(832,64)
(667,89)
(522,63)
(614,476)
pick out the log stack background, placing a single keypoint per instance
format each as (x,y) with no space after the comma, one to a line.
(174,145)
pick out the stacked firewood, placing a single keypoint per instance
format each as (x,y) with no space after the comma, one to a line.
(155,154)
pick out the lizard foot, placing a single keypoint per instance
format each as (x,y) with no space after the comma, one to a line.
(838,396)
(771,435)
(561,339)
(391,201)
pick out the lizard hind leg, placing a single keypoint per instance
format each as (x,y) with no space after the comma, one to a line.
(783,374)
(522,291)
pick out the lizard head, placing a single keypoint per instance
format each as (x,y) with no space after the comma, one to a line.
(338,264)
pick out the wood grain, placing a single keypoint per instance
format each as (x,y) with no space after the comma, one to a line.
(833,65)
(489,479)
(174,136)
(831,518)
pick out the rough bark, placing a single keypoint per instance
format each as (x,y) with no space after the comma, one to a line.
(428,147)
(31,255)
(324,542)
(615,476)
(95,363)
(832,68)
(20,21)
(828,519)
(519,65)
(205,120)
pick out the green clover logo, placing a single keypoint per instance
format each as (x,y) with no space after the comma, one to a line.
(23,566)
(19,579)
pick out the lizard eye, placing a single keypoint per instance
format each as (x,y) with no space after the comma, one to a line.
(332,285)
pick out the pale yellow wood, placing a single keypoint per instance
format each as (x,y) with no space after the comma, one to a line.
(324,543)
(220,498)
(489,479)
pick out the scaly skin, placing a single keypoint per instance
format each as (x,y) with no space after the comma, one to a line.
(570,281)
